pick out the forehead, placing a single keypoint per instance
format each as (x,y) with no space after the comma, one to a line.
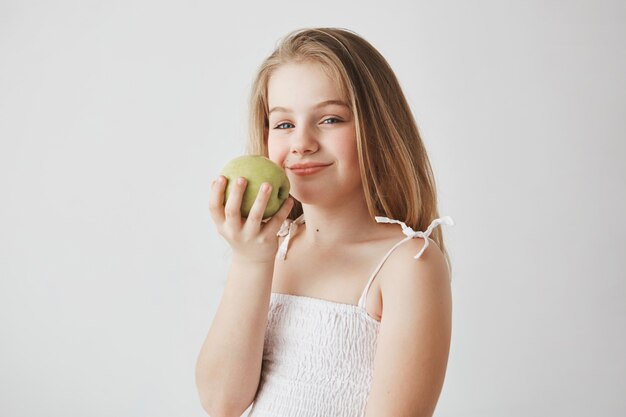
(301,83)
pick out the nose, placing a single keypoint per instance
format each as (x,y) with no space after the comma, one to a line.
(304,141)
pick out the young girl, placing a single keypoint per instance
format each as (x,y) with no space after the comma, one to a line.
(338,305)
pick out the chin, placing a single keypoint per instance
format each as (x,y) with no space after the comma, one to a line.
(313,195)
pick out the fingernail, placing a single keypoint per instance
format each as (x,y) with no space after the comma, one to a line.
(265,187)
(241,180)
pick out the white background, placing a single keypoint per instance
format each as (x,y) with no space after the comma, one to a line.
(115,116)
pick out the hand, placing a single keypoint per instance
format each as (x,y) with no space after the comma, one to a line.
(251,238)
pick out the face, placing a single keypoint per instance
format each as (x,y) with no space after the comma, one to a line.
(310,123)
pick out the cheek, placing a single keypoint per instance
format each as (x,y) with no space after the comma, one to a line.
(348,150)
(276,152)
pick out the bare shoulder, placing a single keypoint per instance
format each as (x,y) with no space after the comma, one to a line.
(415,331)
(408,279)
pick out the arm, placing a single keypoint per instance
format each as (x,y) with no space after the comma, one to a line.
(228,367)
(229,364)
(414,338)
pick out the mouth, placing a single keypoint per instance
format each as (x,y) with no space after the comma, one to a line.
(307,169)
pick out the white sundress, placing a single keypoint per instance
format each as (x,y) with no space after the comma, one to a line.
(318,354)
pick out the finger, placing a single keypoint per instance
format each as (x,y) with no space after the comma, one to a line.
(232,208)
(277,219)
(216,199)
(258,207)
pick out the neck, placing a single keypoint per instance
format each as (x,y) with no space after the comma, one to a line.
(327,226)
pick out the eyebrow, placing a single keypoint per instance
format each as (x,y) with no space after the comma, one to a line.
(317,106)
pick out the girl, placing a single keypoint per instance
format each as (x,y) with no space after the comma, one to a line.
(326,311)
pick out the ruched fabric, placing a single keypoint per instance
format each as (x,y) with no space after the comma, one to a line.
(317,359)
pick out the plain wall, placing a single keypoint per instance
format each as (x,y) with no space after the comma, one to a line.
(115,116)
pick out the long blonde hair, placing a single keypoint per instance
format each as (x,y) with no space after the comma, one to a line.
(396,173)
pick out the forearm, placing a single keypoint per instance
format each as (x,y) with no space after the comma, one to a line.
(229,364)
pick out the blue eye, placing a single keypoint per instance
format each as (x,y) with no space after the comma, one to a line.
(282,124)
(331,118)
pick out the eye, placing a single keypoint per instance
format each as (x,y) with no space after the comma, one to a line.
(282,124)
(332,119)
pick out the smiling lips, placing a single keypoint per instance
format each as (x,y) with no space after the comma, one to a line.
(307,168)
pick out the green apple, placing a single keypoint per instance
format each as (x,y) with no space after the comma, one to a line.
(257,169)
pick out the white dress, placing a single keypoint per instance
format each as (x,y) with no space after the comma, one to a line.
(318,355)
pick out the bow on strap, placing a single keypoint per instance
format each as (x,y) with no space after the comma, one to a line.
(410,233)
(288,228)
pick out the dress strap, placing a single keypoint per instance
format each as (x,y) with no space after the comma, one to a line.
(288,228)
(410,234)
